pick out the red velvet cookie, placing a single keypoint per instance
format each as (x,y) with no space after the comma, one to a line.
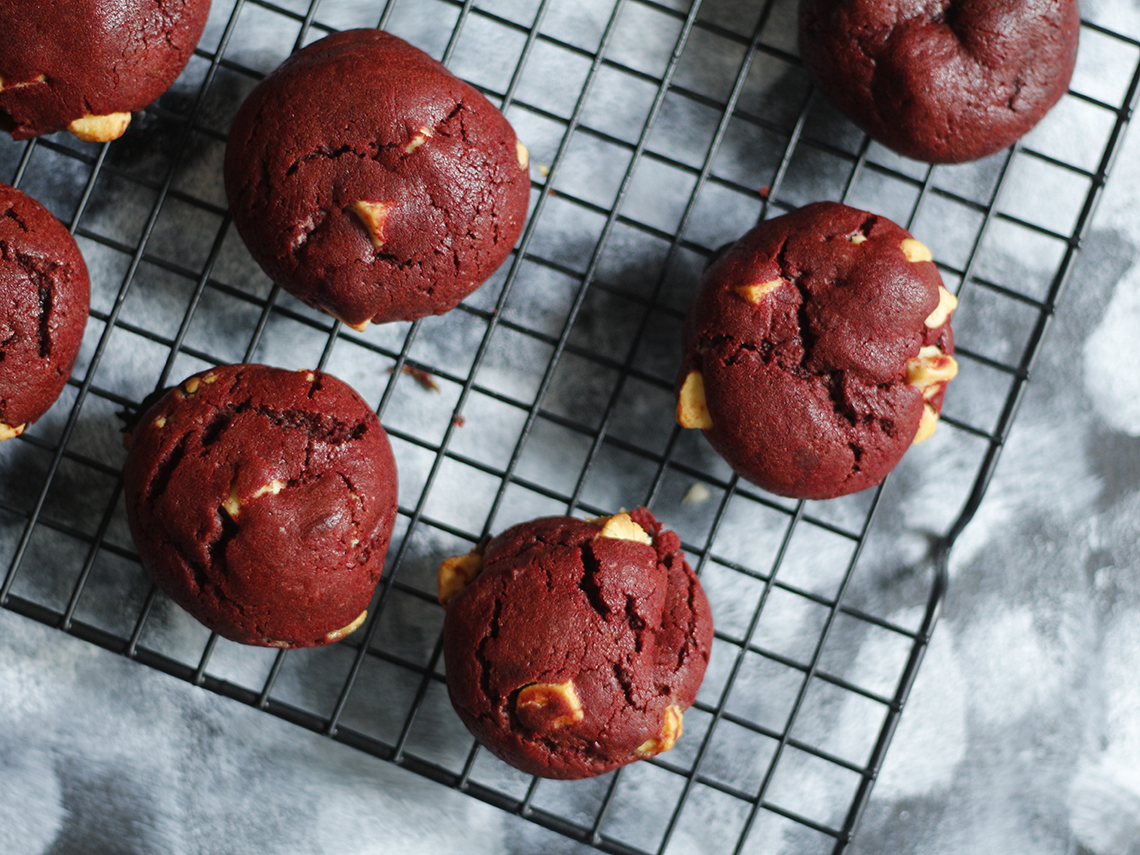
(573,647)
(262,501)
(44,298)
(816,351)
(86,65)
(943,81)
(371,183)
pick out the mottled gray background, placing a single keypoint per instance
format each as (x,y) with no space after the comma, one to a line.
(1023,731)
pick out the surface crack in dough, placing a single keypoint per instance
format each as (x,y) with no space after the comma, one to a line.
(834,383)
(216,426)
(491,633)
(803,322)
(589,581)
(45,294)
(317,384)
(626,684)
(165,469)
(636,622)
(691,587)
(306,228)
(353,508)
(11,214)
(217,547)
(322,154)
(764,349)
(197,569)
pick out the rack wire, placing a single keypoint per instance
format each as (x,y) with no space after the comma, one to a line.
(658,131)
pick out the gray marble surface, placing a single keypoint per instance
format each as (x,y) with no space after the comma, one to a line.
(1023,730)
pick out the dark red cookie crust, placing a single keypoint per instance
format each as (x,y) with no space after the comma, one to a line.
(364,118)
(942,81)
(44,298)
(574,650)
(262,501)
(813,358)
(61,60)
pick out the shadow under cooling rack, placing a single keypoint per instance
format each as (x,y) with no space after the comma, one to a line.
(657,132)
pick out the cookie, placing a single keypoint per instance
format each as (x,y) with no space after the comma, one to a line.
(371,183)
(941,82)
(573,647)
(44,298)
(817,351)
(86,65)
(262,501)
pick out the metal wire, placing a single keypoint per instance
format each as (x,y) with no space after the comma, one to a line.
(40,528)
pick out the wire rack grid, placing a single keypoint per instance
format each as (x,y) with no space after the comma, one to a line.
(658,131)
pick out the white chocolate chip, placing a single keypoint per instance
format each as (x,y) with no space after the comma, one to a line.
(523,154)
(8,432)
(857,238)
(692,408)
(271,489)
(374,216)
(338,634)
(947,303)
(549,706)
(418,140)
(915,250)
(100,128)
(698,494)
(756,292)
(191,387)
(926,424)
(667,736)
(456,573)
(39,78)
(160,422)
(622,527)
(231,503)
(930,368)
(360,327)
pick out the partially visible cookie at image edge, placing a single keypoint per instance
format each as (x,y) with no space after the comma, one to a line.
(371,183)
(943,82)
(817,350)
(573,647)
(86,65)
(44,301)
(262,501)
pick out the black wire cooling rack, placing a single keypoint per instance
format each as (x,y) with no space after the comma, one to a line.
(658,131)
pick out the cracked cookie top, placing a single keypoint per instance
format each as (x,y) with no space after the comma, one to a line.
(574,646)
(817,350)
(371,183)
(86,65)
(942,81)
(44,299)
(262,501)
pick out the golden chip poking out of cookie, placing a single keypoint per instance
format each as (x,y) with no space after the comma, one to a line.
(667,737)
(456,573)
(622,527)
(692,410)
(756,291)
(100,128)
(548,706)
